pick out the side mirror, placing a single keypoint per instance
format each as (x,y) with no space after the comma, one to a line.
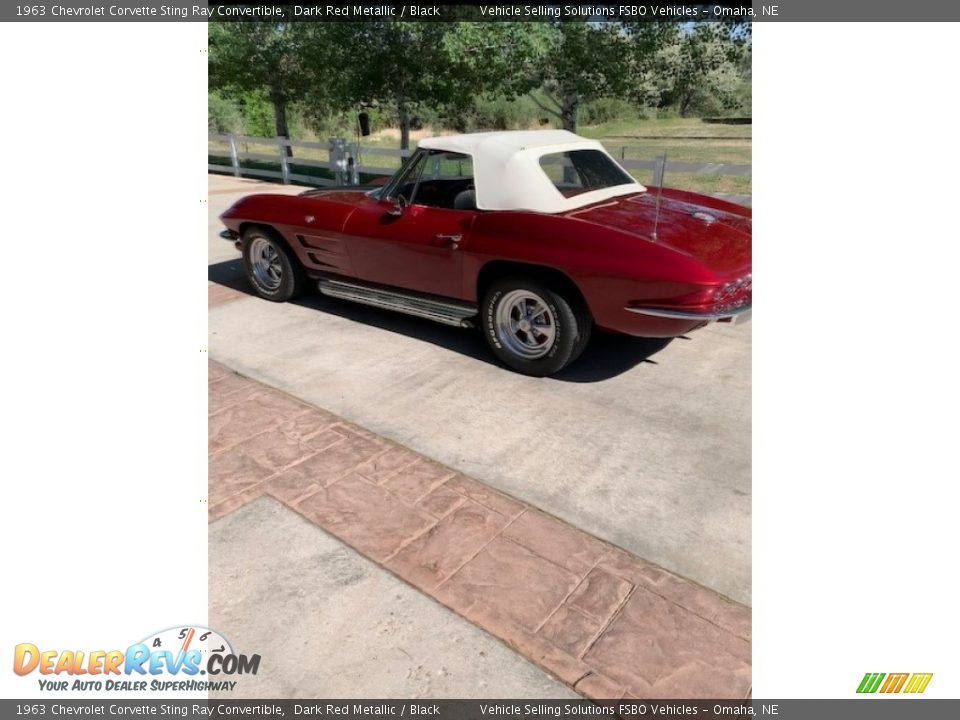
(399,206)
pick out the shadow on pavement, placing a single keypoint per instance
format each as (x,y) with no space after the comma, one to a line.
(230,274)
(607,356)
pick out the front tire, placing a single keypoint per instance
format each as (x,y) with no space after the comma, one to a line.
(533,329)
(272,270)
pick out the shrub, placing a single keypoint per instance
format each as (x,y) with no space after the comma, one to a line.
(605,110)
(223,115)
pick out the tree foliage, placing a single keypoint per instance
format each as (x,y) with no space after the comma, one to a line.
(569,62)
(402,64)
(268,57)
(443,67)
(703,67)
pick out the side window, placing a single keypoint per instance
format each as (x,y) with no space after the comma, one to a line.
(437,179)
(447,182)
(450,166)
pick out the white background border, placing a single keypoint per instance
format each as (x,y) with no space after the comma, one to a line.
(856,371)
(104,519)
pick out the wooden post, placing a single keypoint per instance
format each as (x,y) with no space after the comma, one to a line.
(284,165)
(353,169)
(234,156)
(338,160)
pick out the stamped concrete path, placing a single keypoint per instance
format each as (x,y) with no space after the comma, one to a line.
(603,621)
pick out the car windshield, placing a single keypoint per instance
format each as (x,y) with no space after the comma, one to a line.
(577,171)
(409,170)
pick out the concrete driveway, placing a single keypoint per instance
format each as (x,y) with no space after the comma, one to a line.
(331,624)
(643,443)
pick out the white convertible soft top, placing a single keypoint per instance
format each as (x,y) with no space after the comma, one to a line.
(507,173)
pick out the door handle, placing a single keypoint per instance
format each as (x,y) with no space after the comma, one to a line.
(454,240)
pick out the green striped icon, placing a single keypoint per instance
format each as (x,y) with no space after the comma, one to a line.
(907,682)
(871,682)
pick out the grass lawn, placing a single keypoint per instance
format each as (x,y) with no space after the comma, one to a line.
(682,139)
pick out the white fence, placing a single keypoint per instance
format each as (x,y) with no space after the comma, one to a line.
(239,150)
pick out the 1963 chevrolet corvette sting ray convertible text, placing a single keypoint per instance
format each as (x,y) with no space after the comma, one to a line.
(536,237)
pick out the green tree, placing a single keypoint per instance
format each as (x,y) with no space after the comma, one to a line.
(568,62)
(704,67)
(255,56)
(223,114)
(501,59)
(404,65)
(582,62)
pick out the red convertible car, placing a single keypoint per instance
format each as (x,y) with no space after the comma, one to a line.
(536,237)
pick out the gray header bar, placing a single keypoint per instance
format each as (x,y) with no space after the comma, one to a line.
(872,708)
(178,11)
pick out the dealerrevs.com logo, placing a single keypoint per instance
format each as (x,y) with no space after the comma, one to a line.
(178,658)
(894,683)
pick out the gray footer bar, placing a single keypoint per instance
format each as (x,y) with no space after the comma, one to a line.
(874,707)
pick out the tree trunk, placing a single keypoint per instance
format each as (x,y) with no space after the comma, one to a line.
(571,104)
(568,116)
(404,125)
(280,115)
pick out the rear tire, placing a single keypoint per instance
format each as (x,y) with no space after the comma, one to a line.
(533,329)
(272,269)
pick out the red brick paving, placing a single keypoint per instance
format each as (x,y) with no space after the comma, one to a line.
(602,620)
(219,294)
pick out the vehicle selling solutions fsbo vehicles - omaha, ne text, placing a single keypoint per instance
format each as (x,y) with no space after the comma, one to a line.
(537,237)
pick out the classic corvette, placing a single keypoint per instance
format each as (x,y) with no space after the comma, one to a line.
(537,237)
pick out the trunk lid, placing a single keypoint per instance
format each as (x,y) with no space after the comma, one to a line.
(715,233)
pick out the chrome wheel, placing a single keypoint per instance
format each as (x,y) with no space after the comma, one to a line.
(265,263)
(525,324)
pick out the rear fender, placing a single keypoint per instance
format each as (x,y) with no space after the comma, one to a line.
(596,260)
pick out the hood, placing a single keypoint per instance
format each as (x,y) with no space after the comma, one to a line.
(717,234)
